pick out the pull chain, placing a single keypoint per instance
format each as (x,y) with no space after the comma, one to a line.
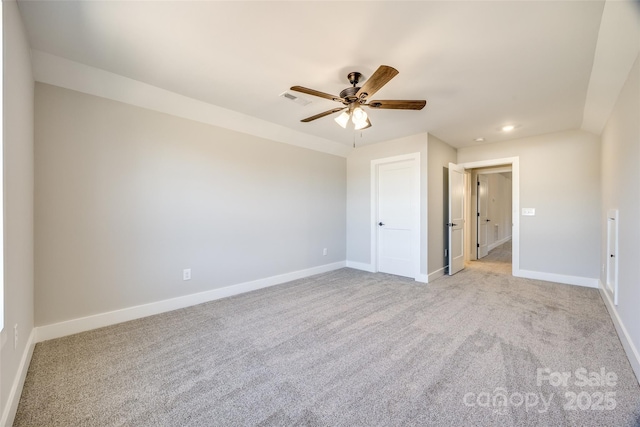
(354,138)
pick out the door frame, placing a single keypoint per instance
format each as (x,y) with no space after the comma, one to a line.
(515,202)
(415,221)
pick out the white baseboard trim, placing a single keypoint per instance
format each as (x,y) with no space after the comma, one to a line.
(74,326)
(15,392)
(436,274)
(558,278)
(422,278)
(632,352)
(498,243)
(361,266)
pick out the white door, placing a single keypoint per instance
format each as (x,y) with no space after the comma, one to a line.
(395,220)
(612,254)
(456,218)
(482,215)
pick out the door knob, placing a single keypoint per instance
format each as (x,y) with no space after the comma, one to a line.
(381,224)
(488,220)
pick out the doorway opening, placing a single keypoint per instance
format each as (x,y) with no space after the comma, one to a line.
(491,205)
(490,211)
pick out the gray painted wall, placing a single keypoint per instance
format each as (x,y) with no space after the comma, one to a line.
(18,199)
(560,178)
(359,194)
(440,155)
(621,190)
(126,198)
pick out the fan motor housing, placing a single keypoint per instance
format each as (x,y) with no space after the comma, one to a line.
(350,94)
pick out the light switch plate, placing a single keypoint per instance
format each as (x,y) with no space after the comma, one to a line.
(528,211)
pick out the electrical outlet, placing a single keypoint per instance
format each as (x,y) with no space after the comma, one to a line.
(15,336)
(186,274)
(324,252)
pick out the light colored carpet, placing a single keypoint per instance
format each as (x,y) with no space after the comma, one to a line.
(347,348)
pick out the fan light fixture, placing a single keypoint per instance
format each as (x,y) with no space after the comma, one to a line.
(358,116)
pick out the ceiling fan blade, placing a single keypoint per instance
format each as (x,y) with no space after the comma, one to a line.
(326,113)
(397,105)
(381,77)
(317,93)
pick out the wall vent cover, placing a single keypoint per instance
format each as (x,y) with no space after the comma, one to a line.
(295,98)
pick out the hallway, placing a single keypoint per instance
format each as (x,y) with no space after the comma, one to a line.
(498,260)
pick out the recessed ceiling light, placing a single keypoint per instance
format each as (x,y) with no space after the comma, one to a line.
(479,140)
(508,128)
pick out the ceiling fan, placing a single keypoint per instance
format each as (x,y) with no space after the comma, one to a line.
(354,98)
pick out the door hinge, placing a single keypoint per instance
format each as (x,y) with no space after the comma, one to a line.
(478,182)
(477,245)
(478,213)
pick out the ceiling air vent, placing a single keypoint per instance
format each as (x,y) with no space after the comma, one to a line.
(295,98)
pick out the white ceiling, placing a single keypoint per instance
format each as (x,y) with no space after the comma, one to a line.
(479,64)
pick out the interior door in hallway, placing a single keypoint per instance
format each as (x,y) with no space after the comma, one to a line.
(483,215)
(397,206)
(455,249)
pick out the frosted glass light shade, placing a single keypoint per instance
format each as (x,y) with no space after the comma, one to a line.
(342,119)
(363,124)
(358,115)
